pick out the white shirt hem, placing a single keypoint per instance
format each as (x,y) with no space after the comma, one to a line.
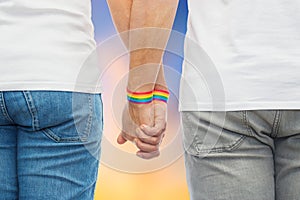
(237,106)
(42,86)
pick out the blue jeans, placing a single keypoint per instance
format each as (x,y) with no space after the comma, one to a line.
(49,145)
(248,155)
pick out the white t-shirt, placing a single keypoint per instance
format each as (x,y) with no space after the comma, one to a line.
(242,55)
(44,44)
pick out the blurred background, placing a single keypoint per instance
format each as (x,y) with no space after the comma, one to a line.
(122,175)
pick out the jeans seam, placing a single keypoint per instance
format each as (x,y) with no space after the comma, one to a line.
(276,123)
(32,110)
(4,109)
(229,147)
(101,102)
(54,137)
(89,120)
(247,123)
(186,117)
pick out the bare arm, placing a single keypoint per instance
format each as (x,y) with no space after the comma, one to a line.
(121,11)
(133,18)
(145,63)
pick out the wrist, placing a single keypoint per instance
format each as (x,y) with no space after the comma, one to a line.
(143,77)
(137,97)
(161,87)
(161,95)
(134,88)
(147,97)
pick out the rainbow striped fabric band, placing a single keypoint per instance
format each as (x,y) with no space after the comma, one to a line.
(161,95)
(140,97)
(148,97)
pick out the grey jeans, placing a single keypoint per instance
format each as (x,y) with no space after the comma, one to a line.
(242,155)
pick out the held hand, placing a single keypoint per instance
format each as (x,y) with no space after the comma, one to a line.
(155,134)
(144,121)
(133,116)
(144,124)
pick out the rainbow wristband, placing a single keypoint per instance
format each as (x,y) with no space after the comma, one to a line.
(140,97)
(161,95)
(148,97)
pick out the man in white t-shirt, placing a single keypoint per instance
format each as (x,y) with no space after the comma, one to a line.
(240,101)
(50,100)
(50,117)
(240,97)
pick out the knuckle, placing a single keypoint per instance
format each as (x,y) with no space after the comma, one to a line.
(156,140)
(156,148)
(160,132)
(156,132)
(139,144)
(140,135)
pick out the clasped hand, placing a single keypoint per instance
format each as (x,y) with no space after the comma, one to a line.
(144,125)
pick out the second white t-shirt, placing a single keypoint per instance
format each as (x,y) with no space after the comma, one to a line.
(242,55)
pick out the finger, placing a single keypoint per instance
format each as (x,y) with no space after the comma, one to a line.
(128,137)
(147,156)
(157,130)
(146,147)
(121,139)
(162,138)
(153,140)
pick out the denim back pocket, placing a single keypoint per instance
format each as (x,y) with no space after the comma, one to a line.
(64,116)
(212,132)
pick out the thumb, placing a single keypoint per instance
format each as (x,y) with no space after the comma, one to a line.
(121,139)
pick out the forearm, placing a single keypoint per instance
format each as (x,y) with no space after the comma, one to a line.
(151,22)
(133,18)
(146,71)
(161,83)
(121,11)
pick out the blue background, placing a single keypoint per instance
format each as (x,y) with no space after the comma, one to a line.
(104,28)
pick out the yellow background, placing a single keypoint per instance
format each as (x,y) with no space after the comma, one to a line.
(166,184)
